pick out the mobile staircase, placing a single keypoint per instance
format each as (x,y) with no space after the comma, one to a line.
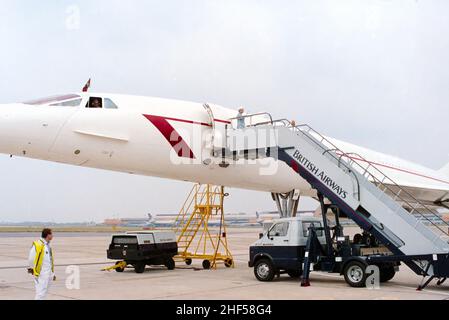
(358,188)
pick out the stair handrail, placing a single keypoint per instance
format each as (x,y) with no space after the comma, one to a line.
(250,116)
(349,168)
(375,179)
(350,162)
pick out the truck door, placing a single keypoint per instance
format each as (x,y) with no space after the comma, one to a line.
(284,253)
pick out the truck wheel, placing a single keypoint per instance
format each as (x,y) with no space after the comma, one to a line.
(139,267)
(188,261)
(170,264)
(387,273)
(120,269)
(264,270)
(228,263)
(294,273)
(355,274)
(206,264)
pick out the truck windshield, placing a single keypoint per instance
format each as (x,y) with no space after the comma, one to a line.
(280,229)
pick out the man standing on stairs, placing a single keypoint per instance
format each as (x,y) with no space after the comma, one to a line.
(241,119)
(42,264)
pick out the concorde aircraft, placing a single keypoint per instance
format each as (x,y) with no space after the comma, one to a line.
(172,139)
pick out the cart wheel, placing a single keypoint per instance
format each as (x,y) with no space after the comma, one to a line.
(170,264)
(206,264)
(139,267)
(228,263)
(119,269)
(188,261)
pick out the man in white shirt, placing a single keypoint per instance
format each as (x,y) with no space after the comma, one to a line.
(241,119)
(41,264)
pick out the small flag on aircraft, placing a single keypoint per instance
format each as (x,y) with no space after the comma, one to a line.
(87,86)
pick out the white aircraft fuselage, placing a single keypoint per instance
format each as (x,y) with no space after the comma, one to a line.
(168,139)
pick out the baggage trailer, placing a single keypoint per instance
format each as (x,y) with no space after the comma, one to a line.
(140,249)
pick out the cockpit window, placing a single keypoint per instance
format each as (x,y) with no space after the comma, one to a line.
(70,103)
(53,100)
(95,103)
(109,104)
(98,103)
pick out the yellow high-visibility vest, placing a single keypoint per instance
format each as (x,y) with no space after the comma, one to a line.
(39,258)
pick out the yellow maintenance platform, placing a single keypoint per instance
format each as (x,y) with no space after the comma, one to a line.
(196,239)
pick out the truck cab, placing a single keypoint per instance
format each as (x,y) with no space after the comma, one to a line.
(296,246)
(283,245)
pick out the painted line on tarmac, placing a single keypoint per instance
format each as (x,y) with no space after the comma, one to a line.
(425,290)
(60,265)
(392,285)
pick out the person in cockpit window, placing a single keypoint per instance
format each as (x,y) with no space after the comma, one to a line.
(95,103)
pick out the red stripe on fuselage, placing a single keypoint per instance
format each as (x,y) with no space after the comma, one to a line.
(394,168)
(187,121)
(228,122)
(171,135)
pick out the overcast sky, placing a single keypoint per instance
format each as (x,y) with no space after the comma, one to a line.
(375,73)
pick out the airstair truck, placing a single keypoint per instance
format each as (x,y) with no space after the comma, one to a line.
(293,245)
(357,189)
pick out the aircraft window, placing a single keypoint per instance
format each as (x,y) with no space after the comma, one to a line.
(70,103)
(53,99)
(109,104)
(280,229)
(95,103)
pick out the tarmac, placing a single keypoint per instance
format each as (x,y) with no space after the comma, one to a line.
(88,252)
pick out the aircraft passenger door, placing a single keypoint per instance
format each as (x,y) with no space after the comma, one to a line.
(218,135)
(211,137)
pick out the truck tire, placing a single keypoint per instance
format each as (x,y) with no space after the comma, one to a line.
(355,274)
(139,267)
(387,273)
(170,264)
(264,270)
(119,269)
(188,261)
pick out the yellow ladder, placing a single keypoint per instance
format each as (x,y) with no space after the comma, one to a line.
(196,240)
